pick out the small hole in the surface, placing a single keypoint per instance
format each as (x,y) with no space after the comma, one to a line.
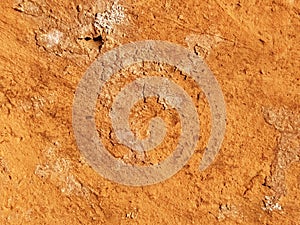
(99,38)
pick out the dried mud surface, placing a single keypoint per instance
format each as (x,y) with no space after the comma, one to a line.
(253,49)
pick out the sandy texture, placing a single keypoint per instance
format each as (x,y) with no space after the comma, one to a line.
(253,49)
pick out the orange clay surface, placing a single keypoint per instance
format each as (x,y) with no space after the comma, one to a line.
(252,48)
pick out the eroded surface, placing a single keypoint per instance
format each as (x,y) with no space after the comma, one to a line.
(251,47)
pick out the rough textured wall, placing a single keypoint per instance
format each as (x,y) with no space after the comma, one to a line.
(253,49)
